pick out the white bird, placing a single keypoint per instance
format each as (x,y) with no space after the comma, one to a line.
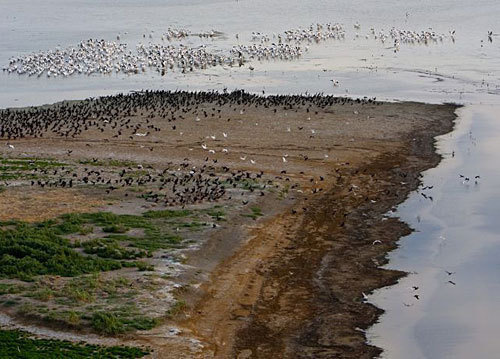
(141,134)
(203,146)
(225,150)
(197,119)
(224,134)
(365,297)
(252,161)
(243,158)
(11,146)
(377,241)
(211,151)
(284,159)
(212,137)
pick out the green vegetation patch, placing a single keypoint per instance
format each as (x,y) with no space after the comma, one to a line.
(256,213)
(216,213)
(60,261)
(89,300)
(118,322)
(12,169)
(27,250)
(167,213)
(111,248)
(19,344)
(109,163)
(156,233)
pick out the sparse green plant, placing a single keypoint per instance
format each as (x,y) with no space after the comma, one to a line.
(256,213)
(143,266)
(176,308)
(107,323)
(12,341)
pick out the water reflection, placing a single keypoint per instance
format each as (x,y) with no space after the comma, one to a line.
(454,255)
(464,71)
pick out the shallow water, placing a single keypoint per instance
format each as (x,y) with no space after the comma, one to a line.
(456,232)
(437,72)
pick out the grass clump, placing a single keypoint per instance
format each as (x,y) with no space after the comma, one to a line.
(144,267)
(110,248)
(121,321)
(19,344)
(108,163)
(176,308)
(107,323)
(115,228)
(216,213)
(6,288)
(82,289)
(12,169)
(256,213)
(167,213)
(44,294)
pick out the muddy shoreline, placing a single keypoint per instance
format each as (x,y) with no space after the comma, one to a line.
(288,281)
(340,262)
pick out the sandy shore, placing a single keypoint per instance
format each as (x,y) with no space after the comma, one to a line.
(288,284)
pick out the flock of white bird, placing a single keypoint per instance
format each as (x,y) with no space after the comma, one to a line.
(177,34)
(105,57)
(166,58)
(86,58)
(287,45)
(270,52)
(424,37)
(313,34)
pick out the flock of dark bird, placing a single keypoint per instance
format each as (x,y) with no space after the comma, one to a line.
(168,186)
(70,119)
(120,117)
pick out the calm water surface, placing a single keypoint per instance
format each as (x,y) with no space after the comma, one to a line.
(457,315)
(456,232)
(465,71)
